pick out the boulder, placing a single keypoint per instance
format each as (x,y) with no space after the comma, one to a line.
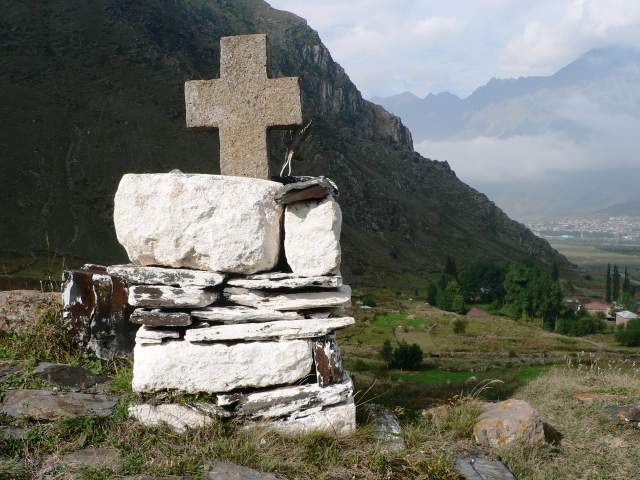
(160,318)
(48,405)
(170,297)
(508,421)
(19,308)
(231,471)
(196,367)
(289,301)
(173,277)
(279,280)
(282,329)
(176,416)
(387,427)
(204,222)
(312,237)
(238,314)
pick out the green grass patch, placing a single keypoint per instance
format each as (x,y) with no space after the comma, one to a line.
(521,374)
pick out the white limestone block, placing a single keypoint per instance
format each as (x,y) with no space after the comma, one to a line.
(197,367)
(176,416)
(176,277)
(312,237)
(146,335)
(289,301)
(204,222)
(285,401)
(170,297)
(283,330)
(238,314)
(279,280)
(339,420)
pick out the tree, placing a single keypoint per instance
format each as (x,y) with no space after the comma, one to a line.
(555,273)
(615,282)
(609,293)
(629,334)
(432,294)
(626,285)
(460,326)
(407,357)
(450,267)
(627,301)
(387,352)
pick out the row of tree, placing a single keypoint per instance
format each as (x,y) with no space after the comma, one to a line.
(618,289)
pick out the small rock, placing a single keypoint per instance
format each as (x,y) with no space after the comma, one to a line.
(505,422)
(159,318)
(437,414)
(93,458)
(63,375)
(231,471)
(389,431)
(48,405)
(478,467)
(311,189)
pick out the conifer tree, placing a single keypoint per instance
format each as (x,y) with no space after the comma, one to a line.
(609,295)
(626,285)
(615,289)
(450,267)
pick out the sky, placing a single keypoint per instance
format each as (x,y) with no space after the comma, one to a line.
(422,46)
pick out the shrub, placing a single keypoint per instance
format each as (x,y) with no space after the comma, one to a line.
(407,357)
(579,325)
(387,352)
(629,335)
(460,326)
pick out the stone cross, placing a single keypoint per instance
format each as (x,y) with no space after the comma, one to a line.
(242,104)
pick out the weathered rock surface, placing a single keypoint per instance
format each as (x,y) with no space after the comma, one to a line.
(69,376)
(338,420)
(9,367)
(176,416)
(479,467)
(95,458)
(504,422)
(97,312)
(285,401)
(152,335)
(204,222)
(312,237)
(289,301)
(231,471)
(307,189)
(236,314)
(173,277)
(279,280)
(194,367)
(328,361)
(48,405)
(626,415)
(160,318)
(170,297)
(19,308)
(282,329)
(387,426)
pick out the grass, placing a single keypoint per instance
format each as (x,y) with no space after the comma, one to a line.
(519,374)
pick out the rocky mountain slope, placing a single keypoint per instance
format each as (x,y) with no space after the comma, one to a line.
(92,90)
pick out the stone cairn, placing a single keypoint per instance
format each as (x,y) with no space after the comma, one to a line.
(234,284)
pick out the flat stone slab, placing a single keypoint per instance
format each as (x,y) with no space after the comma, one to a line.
(153,335)
(285,401)
(48,405)
(173,277)
(66,375)
(94,458)
(231,471)
(160,318)
(178,417)
(505,422)
(482,468)
(289,301)
(170,297)
(203,222)
(274,281)
(338,420)
(197,367)
(241,314)
(282,329)
(312,237)
(311,189)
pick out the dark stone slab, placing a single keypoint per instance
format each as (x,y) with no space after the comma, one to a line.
(231,471)
(482,468)
(626,415)
(96,310)
(48,405)
(314,188)
(328,362)
(160,318)
(68,376)
(95,458)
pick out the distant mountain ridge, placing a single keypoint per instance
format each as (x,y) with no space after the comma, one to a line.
(585,118)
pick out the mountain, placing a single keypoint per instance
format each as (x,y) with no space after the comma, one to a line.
(92,90)
(626,209)
(578,125)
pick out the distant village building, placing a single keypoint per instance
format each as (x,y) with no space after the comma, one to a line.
(594,307)
(623,317)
